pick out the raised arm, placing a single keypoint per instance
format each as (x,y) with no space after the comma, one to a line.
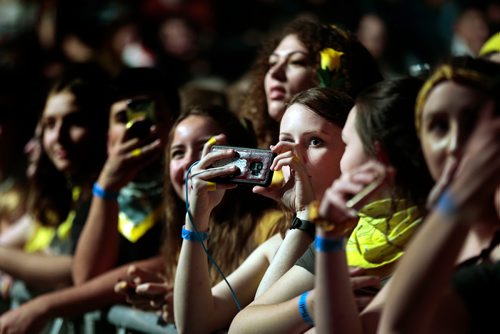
(198,307)
(295,193)
(422,281)
(98,245)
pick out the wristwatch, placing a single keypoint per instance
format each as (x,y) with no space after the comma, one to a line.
(304,225)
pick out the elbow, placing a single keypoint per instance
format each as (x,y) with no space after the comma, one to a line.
(80,275)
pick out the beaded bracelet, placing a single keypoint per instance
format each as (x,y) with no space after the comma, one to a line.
(329,244)
(303,309)
(98,191)
(194,236)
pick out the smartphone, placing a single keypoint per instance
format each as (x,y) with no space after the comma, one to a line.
(140,117)
(253,163)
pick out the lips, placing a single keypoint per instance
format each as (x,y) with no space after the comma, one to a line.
(277,93)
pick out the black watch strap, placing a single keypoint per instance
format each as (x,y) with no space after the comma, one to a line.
(304,225)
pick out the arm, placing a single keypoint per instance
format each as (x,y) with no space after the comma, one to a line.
(198,306)
(276,311)
(296,193)
(94,294)
(336,309)
(98,245)
(40,271)
(422,280)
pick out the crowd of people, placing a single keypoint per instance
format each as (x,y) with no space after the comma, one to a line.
(382,215)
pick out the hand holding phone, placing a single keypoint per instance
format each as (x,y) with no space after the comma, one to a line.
(140,117)
(253,164)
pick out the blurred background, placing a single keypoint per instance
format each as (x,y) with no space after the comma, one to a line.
(211,40)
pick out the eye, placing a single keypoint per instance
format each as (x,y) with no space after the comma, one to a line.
(315,141)
(273,60)
(286,139)
(49,123)
(121,117)
(176,154)
(438,126)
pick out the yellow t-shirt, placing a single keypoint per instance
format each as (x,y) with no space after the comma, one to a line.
(267,224)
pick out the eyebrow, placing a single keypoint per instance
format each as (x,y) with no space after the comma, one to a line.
(288,55)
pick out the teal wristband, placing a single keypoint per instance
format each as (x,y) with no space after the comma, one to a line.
(329,244)
(98,191)
(194,236)
(445,205)
(303,309)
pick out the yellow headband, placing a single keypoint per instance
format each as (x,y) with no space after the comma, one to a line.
(445,73)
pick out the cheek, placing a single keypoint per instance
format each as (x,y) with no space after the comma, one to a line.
(434,157)
(300,81)
(177,178)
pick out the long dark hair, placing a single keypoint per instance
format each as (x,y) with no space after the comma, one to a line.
(233,222)
(50,198)
(385,116)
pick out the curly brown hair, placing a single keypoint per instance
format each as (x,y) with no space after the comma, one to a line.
(357,66)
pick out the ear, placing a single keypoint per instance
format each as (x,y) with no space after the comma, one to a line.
(381,154)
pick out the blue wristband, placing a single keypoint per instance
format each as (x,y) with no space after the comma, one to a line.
(445,205)
(194,236)
(303,309)
(329,244)
(98,191)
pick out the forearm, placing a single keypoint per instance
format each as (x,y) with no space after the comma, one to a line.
(95,294)
(276,318)
(335,306)
(44,272)
(290,250)
(97,248)
(192,290)
(423,274)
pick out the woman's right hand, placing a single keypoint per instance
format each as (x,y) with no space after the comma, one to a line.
(127,157)
(144,289)
(476,180)
(372,176)
(204,194)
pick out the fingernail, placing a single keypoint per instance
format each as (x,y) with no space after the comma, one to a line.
(212,141)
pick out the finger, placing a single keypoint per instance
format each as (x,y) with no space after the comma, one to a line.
(360,282)
(152,289)
(447,175)
(215,140)
(145,275)
(363,301)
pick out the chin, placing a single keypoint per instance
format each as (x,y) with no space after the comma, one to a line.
(276,112)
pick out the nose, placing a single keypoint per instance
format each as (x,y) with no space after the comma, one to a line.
(188,160)
(458,138)
(277,71)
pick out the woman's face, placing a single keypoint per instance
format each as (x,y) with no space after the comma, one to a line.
(319,144)
(354,155)
(67,134)
(290,72)
(448,118)
(187,144)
